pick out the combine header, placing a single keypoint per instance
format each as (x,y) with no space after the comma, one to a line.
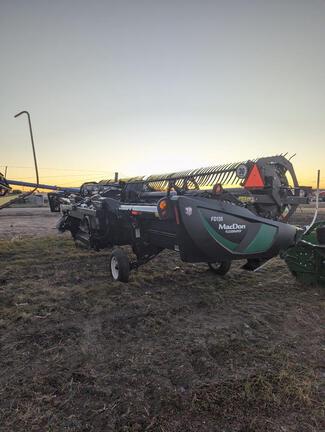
(195,213)
(214,215)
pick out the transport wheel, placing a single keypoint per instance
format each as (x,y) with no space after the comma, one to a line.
(220,268)
(119,266)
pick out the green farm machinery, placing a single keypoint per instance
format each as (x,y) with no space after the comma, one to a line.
(306,259)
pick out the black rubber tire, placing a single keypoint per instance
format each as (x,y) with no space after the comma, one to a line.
(121,264)
(320,232)
(220,268)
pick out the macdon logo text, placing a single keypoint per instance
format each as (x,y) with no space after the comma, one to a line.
(233,228)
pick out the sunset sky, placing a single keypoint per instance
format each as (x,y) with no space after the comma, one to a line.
(149,86)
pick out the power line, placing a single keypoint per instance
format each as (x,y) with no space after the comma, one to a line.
(54,169)
(57,176)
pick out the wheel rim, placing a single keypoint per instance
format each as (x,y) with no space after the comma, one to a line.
(215,266)
(114,268)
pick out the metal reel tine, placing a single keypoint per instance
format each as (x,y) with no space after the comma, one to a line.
(205,178)
(205,174)
(232,177)
(216,177)
(219,178)
(199,175)
(214,174)
(208,179)
(226,177)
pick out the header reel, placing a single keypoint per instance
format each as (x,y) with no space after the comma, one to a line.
(236,173)
(267,186)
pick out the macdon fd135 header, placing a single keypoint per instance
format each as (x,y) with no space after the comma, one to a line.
(213,215)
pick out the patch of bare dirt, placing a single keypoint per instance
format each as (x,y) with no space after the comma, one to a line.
(16,223)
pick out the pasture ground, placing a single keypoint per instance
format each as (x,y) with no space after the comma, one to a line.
(175,350)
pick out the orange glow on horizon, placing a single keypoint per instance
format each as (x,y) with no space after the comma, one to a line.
(75,183)
(307,175)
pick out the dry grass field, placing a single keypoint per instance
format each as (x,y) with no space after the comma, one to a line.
(177,349)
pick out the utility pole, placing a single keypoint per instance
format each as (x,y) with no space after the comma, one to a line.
(6,171)
(33,146)
(25,195)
